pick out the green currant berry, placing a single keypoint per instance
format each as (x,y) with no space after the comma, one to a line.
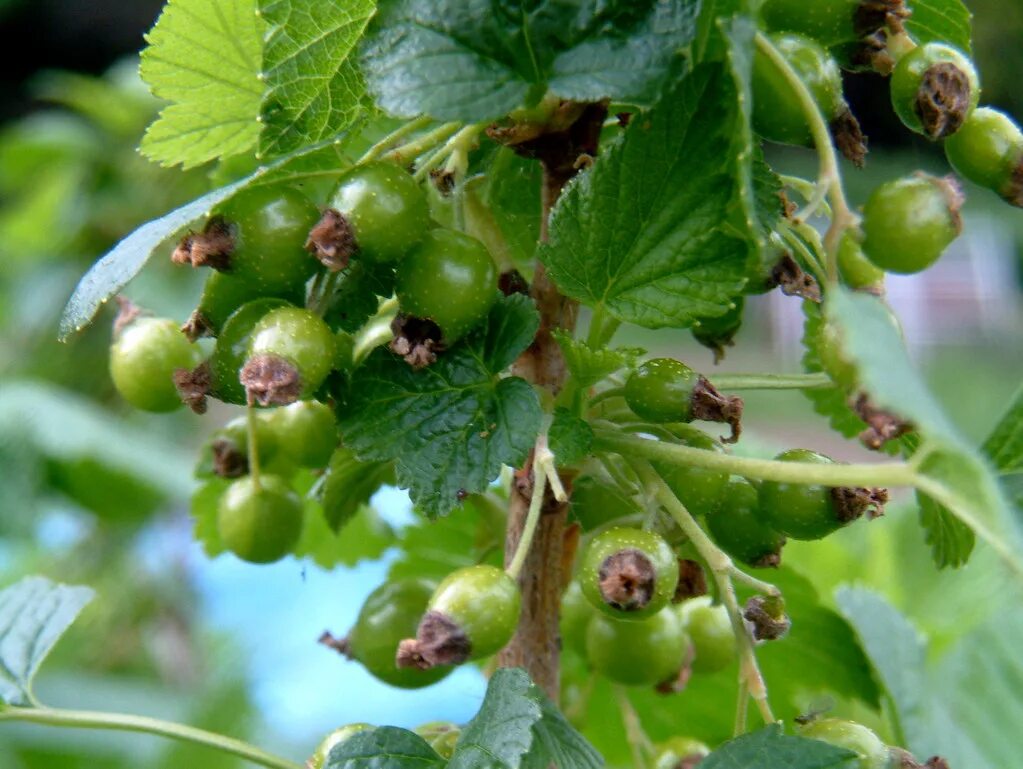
(698,488)
(259,522)
(872,752)
(856,270)
(909,222)
(777,113)
(319,758)
(628,573)
(143,359)
(230,448)
(799,510)
(642,653)
(385,208)
(232,349)
(291,351)
(710,632)
(306,432)
(829,22)
(988,150)
(739,527)
(676,752)
(392,613)
(442,736)
(934,89)
(661,390)
(576,613)
(222,296)
(718,333)
(472,614)
(596,502)
(448,279)
(269,227)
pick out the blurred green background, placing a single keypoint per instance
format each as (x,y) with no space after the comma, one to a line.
(93,493)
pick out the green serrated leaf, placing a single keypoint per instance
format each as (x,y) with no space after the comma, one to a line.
(569,438)
(315,88)
(502,731)
(951,541)
(365,536)
(511,193)
(646,233)
(770,749)
(476,60)
(557,743)
(357,298)
(1004,446)
(34,614)
(944,21)
(385,747)
(588,366)
(204,57)
(451,426)
(204,515)
(349,485)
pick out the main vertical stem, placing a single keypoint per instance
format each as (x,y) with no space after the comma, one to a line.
(536,645)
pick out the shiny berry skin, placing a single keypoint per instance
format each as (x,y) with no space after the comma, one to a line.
(576,613)
(232,349)
(143,359)
(391,613)
(484,602)
(856,269)
(872,752)
(988,150)
(319,758)
(670,753)
(660,389)
(934,88)
(300,338)
(442,736)
(269,227)
(596,502)
(698,488)
(909,222)
(259,523)
(306,432)
(231,443)
(643,653)
(799,510)
(717,333)
(449,279)
(710,632)
(385,208)
(739,528)
(829,22)
(628,574)
(777,113)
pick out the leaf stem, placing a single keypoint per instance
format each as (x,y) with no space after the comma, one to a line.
(406,153)
(395,136)
(535,505)
(84,719)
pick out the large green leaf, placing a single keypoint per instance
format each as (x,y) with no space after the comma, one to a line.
(204,57)
(476,60)
(647,233)
(449,427)
(34,614)
(314,87)
(770,749)
(944,21)
(385,747)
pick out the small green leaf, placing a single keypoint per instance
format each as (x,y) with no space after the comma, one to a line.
(34,614)
(357,298)
(770,749)
(204,515)
(588,366)
(943,21)
(349,485)
(502,731)
(365,537)
(557,743)
(386,747)
(951,541)
(647,232)
(315,89)
(476,60)
(569,438)
(204,57)
(451,426)
(1004,447)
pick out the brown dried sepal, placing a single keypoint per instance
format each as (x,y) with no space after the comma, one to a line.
(871,52)
(882,426)
(853,503)
(417,340)
(849,137)
(788,276)
(873,16)
(332,240)
(197,326)
(443,180)
(270,380)
(708,405)
(229,461)
(512,282)
(943,100)
(341,645)
(1013,192)
(679,682)
(193,386)
(210,248)
(127,313)
(692,582)
(767,618)
(439,641)
(768,560)
(627,580)
(903,759)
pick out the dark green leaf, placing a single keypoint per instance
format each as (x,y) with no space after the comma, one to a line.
(770,749)
(588,366)
(1004,447)
(34,614)
(951,541)
(569,438)
(944,21)
(349,485)
(557,743)
(511,193)
(476,60)
(451,426)
(357,298)
(502,731)
(314,87)
(204,515)
(386,747)
(647,232)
